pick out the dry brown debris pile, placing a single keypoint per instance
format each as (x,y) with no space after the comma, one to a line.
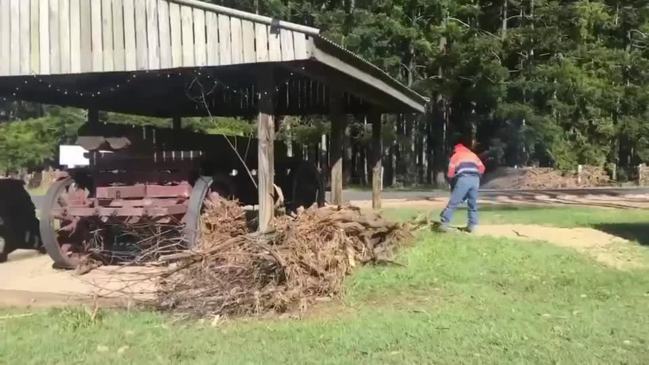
(540,178)
(306,258)
(594,176)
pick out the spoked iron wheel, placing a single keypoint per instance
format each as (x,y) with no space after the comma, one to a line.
(62,235)
(204,188)
(200,192)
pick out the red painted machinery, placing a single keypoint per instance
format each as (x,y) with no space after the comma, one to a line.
(155,181)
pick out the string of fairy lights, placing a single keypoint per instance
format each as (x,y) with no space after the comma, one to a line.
(206,80)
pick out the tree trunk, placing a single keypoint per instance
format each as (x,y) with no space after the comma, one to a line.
(410,164)
(420,139)
(439,124)
(362,167)
(354,175)
(289,139)
(503,31)
(440,131)
(473,127)
(398,154)
(324,163)
(347,158)
(429,152)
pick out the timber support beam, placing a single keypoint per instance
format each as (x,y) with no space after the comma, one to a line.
(377,158)
(338,127)
(176,123)
(266,153)
(93,116)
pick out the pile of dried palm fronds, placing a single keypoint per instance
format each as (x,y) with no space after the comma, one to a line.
(304,259)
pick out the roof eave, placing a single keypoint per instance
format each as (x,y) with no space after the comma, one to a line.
(328,53)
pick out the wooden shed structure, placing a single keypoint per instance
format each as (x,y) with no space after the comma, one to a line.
(179,58)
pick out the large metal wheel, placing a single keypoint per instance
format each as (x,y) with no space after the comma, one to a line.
(62,237)
(191,231)
(3,247)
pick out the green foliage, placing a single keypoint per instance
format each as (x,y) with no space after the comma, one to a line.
(214,125)
(549,82)
(225,126)
(307,131)
(32,142)
(136,120)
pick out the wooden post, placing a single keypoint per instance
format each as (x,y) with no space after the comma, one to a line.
(289,140)
(265,162)
(176,123)
(642,179)
(377,159)
(338,126)
(93,116)
(580,170)
(323,152)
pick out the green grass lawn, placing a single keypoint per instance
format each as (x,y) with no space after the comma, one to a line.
(525,214)
(458,299)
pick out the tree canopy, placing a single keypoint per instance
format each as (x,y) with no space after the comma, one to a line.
(547,82)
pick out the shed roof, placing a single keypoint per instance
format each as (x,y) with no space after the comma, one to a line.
(145,56)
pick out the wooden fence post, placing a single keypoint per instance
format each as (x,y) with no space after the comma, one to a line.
(642,178)
(580,170)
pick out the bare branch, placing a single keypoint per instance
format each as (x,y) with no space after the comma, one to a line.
(203,100)
(459,21)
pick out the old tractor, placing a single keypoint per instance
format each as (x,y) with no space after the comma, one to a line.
(158,179)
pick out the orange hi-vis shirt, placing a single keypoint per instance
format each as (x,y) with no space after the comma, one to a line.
(464,162)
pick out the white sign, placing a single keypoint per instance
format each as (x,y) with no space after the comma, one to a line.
(72,156)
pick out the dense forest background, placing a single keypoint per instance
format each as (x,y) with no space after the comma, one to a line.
(531,82)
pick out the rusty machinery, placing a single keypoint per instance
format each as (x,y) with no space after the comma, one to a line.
(161,176)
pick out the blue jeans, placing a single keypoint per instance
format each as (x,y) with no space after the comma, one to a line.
(466,188)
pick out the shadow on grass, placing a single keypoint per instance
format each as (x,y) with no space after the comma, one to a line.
(638,232)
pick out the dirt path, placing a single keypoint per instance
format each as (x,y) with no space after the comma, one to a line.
(606,249)
(28,279)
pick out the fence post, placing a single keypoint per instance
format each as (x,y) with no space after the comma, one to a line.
(614,172)
(580,169)
(642,179)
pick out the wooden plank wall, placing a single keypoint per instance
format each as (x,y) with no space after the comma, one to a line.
(42,37)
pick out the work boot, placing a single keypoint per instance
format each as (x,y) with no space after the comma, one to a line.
(471,229)
(444,228)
